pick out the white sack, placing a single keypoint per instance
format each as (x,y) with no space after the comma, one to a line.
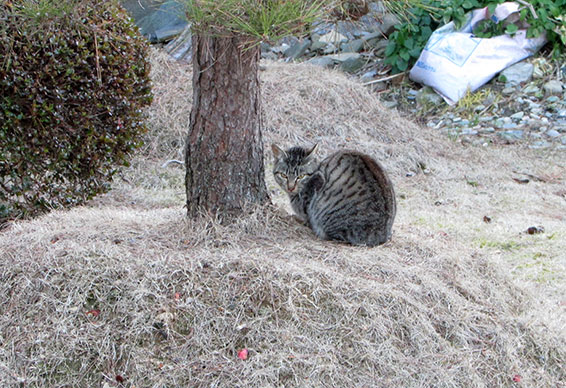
(454,62)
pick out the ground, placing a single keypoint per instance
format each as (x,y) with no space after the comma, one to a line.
(127,291)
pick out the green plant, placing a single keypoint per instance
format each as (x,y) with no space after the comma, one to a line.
(267,20)
(411,36)
(73,82)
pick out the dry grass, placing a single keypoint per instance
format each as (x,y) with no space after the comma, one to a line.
(128,287)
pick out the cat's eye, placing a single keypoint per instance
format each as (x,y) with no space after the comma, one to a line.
(281,175)
(303,176)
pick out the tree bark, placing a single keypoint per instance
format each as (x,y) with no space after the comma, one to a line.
(224,149)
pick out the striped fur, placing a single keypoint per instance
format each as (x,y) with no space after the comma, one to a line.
(346,197)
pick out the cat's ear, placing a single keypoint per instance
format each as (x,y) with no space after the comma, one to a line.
(277,152)
(312,151)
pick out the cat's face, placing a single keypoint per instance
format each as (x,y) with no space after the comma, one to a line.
(293,167)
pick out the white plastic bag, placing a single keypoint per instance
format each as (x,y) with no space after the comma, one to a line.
(454,62)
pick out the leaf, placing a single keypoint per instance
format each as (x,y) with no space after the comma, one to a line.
(511,29)
(243,354)
(391,47)
(95,313)
(535,230)
(521,180)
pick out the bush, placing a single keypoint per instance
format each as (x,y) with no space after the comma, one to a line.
(410,37)
(73,81)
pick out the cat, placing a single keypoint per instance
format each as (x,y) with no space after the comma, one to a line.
(347,197)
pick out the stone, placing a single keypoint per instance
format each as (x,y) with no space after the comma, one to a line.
(553,87)
(468,131)
(531,89)
(552,133)
(298,49)
(517,73)
(511,136)
(388,23)
(379,46)
(349,29)
(352,64)
(180,48)
(318,45)
(390,104)
(540,144)
(344,57)
(269,55)
(352,46)
(280,49)
(324,61)
(368,76)
(330,49)
(333,37)
(509,126)
(517,116)
(158,21)
(371,36)
(508,90)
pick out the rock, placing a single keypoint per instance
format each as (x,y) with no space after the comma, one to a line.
(531,89)
(298,49)
(517,73)
(180,48)
(333,37)
(351,30)
(352,64)
(552,133)
(517,116)
(379,46)
(352,46)
(372,36)
(508,90)
(325,61)
(330,49)
(270,55)
(388,23)
(318,45)
(280,49)
(511,136)
(390,104)
(344,57)
(553,87)
(158,21)
(428,97)
(368,76)
(541,144)
(288,40)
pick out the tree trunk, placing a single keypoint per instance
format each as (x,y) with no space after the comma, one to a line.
(224,150)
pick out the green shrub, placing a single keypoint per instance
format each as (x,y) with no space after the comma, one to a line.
(73,81)
(410,37)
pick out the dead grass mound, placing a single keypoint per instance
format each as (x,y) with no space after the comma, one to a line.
(128,292)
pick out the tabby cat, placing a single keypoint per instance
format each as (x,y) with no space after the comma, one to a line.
(346,197)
